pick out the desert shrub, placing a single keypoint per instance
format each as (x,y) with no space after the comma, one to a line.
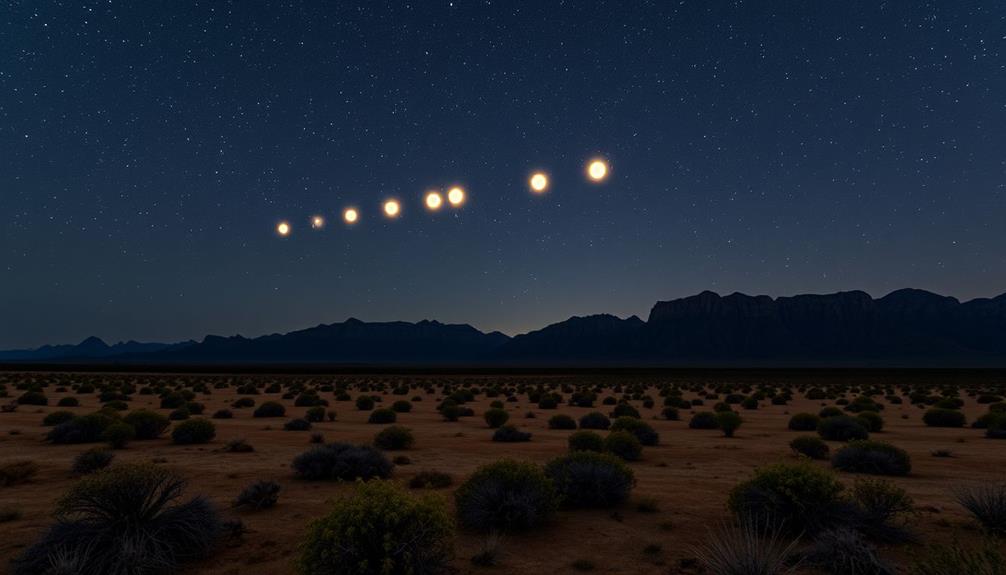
(873,457)
(842,428)
(431,480)
(92,460)
(243,402)
(729,422)
(796,496)
(642,430)
(194,431)
(624,410)
(33,398)
(147,424)
(804,422)
(877,504)
(670,413)
(987,503)
(380,529)
(749,548)
(258,495)
(624,445)
(82,429)
(810,446)
(595,420)
(496,417)
(561,421)
(173,400)
(383,415)
(297,425)
(238,446)
(584,440)
(68,402)
(364,403)
(872,420)
(588,479)
(830,411)
(402,406)
(315,414)
(996,427)
(451,412)
(15,472)
(844,551)
(180,414)
(942,417)
(510,434)
(124,520)
(703,420)
(269,409)
(57,417)
(223,414)
(957,560)
(506,495)
(342,461)
(119,434)
(394,438)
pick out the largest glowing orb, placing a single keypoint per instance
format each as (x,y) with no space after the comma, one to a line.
(392,208)
(538,182)
(283,229)
(350,215)
(456,196)
(597,170)
(434,200)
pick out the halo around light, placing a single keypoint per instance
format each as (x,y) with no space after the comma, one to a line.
(317,222)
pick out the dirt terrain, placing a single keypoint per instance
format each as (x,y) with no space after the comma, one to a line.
(689,473)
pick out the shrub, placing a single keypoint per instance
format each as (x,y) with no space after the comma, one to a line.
(750,548)
(15,472)
(872,420)
(383,415)
(147,424)
(586,441)
(238,446)
(33,398)
(506,495)
(194,431)
(92,460)
(830,411)
(703,420)
(642,430)
(624,410)
(804,422)
(842,428)
(670,413)
(82,429)
(877,503)
(987,503)
(125,519)
(510,434)
(269,409)
(297,425)
(315,414)
(380,529)
(561,421)
(843,551)
(402,406)
(431,480)
(364,403)
(873,457)
(810,446)
(223,414)
(118,435)
(729,422)
(342,461)
(180,414)
(57,417)
(941,417)
(394,438)
(496,417)
(957,560)
(258,495)
(68,402)
(797,496)
(595,420)
(451,412)
(624,445)
(587,479)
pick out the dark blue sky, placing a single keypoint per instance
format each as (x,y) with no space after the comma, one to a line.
(148,149)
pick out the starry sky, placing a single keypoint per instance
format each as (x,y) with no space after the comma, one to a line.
(149,149)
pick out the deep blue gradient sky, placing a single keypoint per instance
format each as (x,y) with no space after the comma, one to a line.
(148,149)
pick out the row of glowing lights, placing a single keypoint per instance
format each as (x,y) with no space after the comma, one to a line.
(597,171)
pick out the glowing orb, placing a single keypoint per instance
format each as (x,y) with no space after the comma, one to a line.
(456,196)
(283,229)
(317,222)
(539,182)
(350,215)
(392,208)
(597,170)
(434,200)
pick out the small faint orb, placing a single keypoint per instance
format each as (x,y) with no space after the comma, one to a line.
(283,229)
(538,182)
(456,196)
(392,208)
(597,170)
(434,200)
(350,215)
(317,222)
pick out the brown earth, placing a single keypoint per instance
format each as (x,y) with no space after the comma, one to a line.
(689,473)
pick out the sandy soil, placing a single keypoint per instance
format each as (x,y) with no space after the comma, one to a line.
(689,474)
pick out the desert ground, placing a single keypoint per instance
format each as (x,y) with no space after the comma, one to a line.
(683,482)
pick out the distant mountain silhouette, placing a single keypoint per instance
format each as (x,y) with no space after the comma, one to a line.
(907,327)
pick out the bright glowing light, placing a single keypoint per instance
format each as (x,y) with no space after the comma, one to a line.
(392,208)
(456,196)
(539,182)
(597,170)
(283,229)
(350,215)
(434,200)
(317,222)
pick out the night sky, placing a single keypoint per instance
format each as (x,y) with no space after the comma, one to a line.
(148,151)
